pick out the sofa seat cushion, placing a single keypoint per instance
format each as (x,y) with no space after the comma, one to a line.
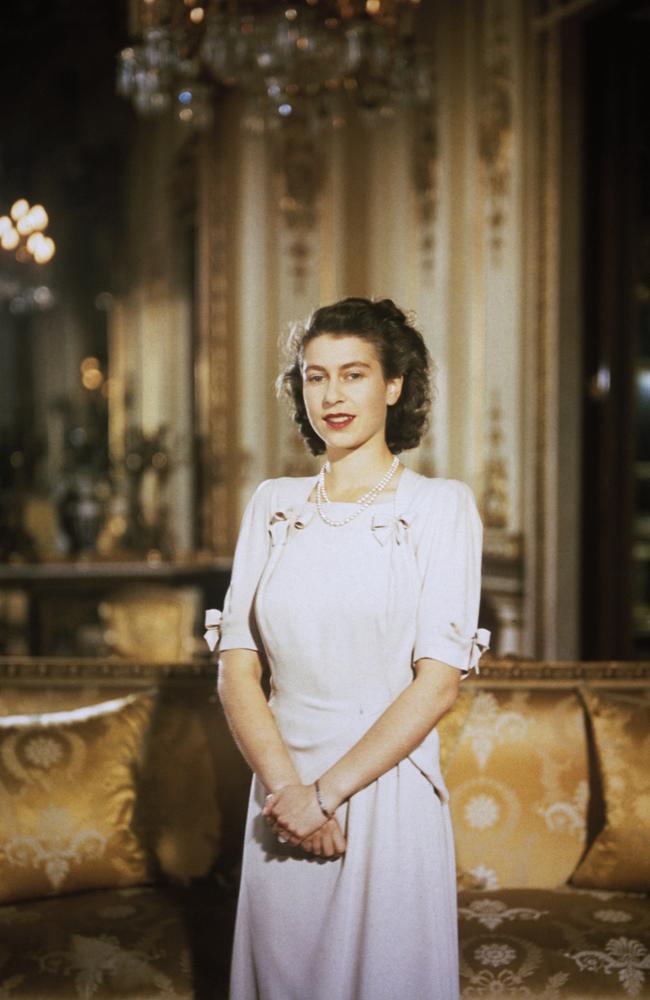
(133,943)
(568,943)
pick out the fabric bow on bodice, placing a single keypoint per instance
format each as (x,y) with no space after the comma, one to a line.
(282,520)
(385,526)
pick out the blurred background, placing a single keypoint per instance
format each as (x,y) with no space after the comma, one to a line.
(181,179)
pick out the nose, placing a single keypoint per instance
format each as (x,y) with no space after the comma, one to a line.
(332,392)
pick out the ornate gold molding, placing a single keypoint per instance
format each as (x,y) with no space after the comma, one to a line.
(301,163)
(87,671)
(425,174)
(501,547)
(496,116)
(215,359)
(495,500)
(562,672)
(39,670)
(547,69)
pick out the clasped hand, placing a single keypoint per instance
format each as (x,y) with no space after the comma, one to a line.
(294,815)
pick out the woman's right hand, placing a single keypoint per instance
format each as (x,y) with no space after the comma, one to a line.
(327,842)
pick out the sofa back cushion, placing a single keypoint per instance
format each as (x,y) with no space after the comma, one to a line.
(518,780)
(619,857)
(67,798)
(188,761)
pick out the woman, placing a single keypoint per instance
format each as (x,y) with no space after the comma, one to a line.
(359,589)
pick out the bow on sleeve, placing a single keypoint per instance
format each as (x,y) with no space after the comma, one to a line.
(212,632)
(480,643)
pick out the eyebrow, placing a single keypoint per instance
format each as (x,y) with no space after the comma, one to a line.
(349,364)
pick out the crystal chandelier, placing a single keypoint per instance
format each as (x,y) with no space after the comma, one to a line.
(307,59)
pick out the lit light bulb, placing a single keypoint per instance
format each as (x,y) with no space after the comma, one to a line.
(19,208)
(5,224)
(10,239)
(25,224)
(39,217)
(92,378)
(45,250)
(89,363)
(34,241)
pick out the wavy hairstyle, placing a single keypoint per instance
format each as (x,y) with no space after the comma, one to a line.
(401,351)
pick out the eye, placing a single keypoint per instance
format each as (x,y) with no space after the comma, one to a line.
(355,375)
(314,378)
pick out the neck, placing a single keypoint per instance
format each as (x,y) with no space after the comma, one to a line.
(357,470)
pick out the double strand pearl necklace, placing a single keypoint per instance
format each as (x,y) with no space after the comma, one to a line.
(365,501)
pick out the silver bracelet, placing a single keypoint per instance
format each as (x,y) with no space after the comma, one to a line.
(321,804)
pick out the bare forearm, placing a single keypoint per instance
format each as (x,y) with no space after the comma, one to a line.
(251,721)
(394,735)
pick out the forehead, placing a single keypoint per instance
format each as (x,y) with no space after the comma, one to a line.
(340,349)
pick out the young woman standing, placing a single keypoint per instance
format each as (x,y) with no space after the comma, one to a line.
(359,590)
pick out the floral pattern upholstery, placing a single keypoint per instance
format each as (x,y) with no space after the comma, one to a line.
(517,776)
(142,942)
(550,944)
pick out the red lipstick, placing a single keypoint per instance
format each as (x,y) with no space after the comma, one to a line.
(337,421)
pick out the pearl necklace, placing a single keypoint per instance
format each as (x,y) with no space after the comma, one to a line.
(365,501)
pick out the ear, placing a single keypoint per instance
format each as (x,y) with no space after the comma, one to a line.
(394,389)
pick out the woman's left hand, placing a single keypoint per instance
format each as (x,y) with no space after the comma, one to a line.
(293,812)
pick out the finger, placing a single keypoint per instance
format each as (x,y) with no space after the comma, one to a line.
(314,844)
(308,845)
(318,843)
(269,802)
(338,839)
(328,848)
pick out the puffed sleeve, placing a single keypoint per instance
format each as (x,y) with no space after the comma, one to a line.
(447,613)
(236,624)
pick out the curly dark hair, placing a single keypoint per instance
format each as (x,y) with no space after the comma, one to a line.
(401,351)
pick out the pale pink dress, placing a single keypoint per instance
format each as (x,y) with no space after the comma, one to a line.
(340,615)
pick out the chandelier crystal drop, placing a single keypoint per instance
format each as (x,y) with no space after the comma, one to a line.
(306,59)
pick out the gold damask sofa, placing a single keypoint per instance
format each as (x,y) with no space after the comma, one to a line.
(548,767)
(122,800)
(121,804)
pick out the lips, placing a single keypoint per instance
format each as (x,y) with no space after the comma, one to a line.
(339,420)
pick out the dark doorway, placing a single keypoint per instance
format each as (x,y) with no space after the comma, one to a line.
(616,453)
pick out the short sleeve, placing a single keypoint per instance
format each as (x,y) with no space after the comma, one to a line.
(447,613)
(238,628)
